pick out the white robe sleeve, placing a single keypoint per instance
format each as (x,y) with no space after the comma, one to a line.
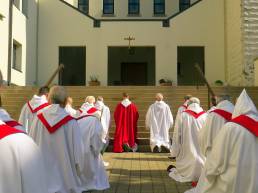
(148,118)
(170,117)
(177,135)
(96,139)
(23,117)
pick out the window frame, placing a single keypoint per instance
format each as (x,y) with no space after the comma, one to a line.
(131,4)
(154,8)
(84,5)
(109,4)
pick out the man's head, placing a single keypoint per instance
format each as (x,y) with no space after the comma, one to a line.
(90,99)
(194,100)
(222,97)
(125,95)
(187,97)
(100,98)
(57,95)
(159,97)
(43,91)
(69,101)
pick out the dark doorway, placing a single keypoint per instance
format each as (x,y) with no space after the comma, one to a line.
(131,70)
(74,61)
(134,66)
(187,57)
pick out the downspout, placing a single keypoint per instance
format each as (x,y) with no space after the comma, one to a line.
(37,46)
(10,42)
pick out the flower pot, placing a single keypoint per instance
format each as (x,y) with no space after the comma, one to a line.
(95,83)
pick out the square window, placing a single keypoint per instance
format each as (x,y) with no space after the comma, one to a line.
(133,7)
(83,5)
(108,6)
(184,4)
(159,7)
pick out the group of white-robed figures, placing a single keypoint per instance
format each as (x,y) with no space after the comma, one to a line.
(58,149)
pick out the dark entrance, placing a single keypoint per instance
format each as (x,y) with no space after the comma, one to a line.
(187,57)
(74,61)
(131,70)
(135,66)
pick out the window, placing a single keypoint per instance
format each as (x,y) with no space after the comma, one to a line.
(184,4)
(25,7)
(17,56)
(108,6)
(133,7)
(159,7)
(16,3)
(83,5)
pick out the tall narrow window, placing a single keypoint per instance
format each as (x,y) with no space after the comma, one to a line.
(17,56)
(133,7)
(25,7)
(83,5)
(184,4)
(159,7)
(108,6)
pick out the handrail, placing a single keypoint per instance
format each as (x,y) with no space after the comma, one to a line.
(60,67)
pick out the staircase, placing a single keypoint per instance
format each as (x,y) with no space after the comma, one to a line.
(13,99)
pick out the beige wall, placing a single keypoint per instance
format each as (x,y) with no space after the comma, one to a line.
(202,25)
(233,42)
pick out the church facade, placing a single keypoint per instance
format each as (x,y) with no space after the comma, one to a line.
(129,42)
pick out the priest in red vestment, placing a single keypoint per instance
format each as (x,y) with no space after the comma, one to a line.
(126,116)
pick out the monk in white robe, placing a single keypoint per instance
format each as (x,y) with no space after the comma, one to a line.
(231,166)
(190,161)
(35,105)
(174,147)
(69,108)
(89,104)
(6,118)
(58,136)
(21,166)
(159,120)
(94,176)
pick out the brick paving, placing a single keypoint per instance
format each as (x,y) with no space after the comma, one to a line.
(140,173)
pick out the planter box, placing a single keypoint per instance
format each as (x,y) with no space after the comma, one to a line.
(94,83)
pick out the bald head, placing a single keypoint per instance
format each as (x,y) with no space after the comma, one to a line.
(194,100)
(90,99)
(159,97)
(57,95)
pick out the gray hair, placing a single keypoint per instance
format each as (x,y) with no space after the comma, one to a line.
(223,97)
(194,100)
(57,95)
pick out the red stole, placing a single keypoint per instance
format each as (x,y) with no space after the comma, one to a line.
(38,108)
(6,130)
(248,123)
(54,128)
(92,110)
(194,114)
(12,123)
(226,115)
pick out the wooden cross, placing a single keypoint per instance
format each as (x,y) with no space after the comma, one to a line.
(129,39)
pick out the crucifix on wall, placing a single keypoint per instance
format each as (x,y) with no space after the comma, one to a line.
(130,39)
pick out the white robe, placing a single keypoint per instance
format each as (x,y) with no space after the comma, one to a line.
(189,161)
(74,113)
(94,176)
(21,166)
(104,119)
(212,126)
(231,166)
(5,117)
(62,150)
(159,119)
(27,116)
(174,150)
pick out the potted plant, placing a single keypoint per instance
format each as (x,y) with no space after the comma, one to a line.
(219,83)
(94,81)
(165,82)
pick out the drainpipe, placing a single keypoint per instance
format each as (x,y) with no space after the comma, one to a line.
(10,42)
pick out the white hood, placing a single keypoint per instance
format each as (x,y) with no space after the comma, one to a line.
(36,101)
(195,108)
(226,106)
(245,106)
(86,106)
(126,102)
(99,105)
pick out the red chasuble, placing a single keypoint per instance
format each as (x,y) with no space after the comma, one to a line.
(126,126)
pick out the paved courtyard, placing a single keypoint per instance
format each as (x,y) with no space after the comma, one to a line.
(141,173)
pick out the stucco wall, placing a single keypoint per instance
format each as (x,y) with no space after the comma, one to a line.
(202,25)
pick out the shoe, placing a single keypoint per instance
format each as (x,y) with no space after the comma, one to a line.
(156,149)
(127,148)
(106,164)
(164,149)
(170,167)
